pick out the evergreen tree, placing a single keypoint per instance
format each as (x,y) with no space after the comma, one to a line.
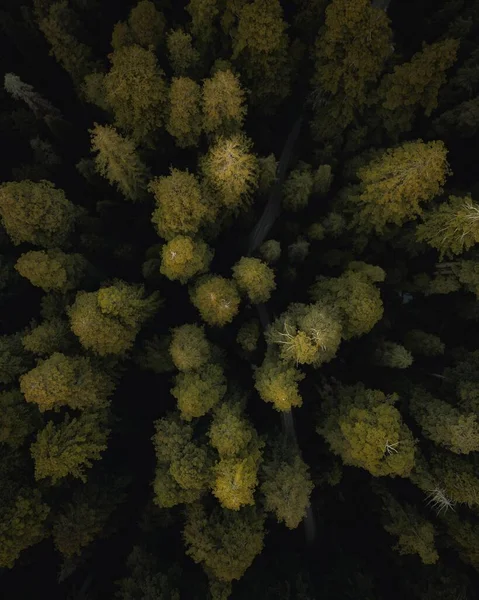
(254,278)
(184,117)
(17,419)
(189,347)
(216,298)
(183,257)
(52,270)
(197,392)
(277,382)
(182,55)
(223,103)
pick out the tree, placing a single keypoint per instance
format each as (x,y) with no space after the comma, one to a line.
(231,170)
(416,84)
(223,103)
(365,429)
(50,336)
(13,359)
(268,167)
(37,213)
(197,392)
(298,188)
(322,179)
(287,487)
(183,257)
(184,118)
(69,447)
(452,228)
(136,92)
(183,57)
(147,24)
(66,381)
(20,90)
(254,278)
(224,542)
(118,161)
(236,479)
(230,432)
(203,14)
(463,120)
(180,207)
(394,185)
(216,298)
(277,382)
(248,335)
(351,50)
(392,355)
(17,419)
(423,344)
(189,348)
(52,270)
(107,321)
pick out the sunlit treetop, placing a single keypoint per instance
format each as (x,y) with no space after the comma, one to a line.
(182,55)
(52,270)
(254,278)
(51,335)
(197,392)
(223,103)
(183,257)
(298,188)
(216,298)
(393,355)
(189,348)
(184,121)
(230,432)
(277,382)
(37,213)
(236,479)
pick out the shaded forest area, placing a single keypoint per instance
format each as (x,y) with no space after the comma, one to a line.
(239,290)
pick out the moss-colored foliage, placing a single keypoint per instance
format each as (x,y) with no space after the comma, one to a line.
(203,14)
(183,57)
(230,432)
(267,166)
(416,84)
(232,170)
(69,447)
(21,525)
(136,92)
(423,344)
(216,298)
(270,251)
(180,207)
(224,542)
(298,250)
(184,115)
(392,355)
(414,533)
(171,437)
(322,179)
(445,424)
(121,36)
(17,419)
(223,103)
(452,228)
(13,359)
(118,161)
(260,46)
(93,90)
(183,257)
(277,382)
(248,335)
(50,336)
(198,391)
(306,334)
(147,24)
(254,278)
(66,381)
(351,50)
(236,479)
(37,213)
(189,347)
(52,270)
(394,185)
(107,321)
(287,487)
(298,188)
(355,299)
(465,534)
(366,430)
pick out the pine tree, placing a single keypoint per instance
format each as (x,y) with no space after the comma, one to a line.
(52,335)
(184,117)
(189,348)
(183,257)
(197,392)
(52,270)
(23,91)
(147,24)
(223,103)
(277,382)
(17,419)
(216,298)
(254,278)
(183,57)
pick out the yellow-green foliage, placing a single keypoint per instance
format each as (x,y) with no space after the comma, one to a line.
(231,170)
(93,89)
(21,525)
(248,335)
(395,356)
(69,447)
(236,480)
(203,14)
(254,278)
(297,189)
(267,166)
(182,55)
(365,429)
(183,257)
(225,542)
(216,298)
(414,533)
(198,391)
(270,251)
(457,477)
(13,359)
(287,488)
(66,381)
(452,228)
(136,92)
(351,50)
(394,185)
(416,84)
(107,321)
(50,336)
(121,36)
(168,493)
(223,103)
(191,468)
(354,298)
(422,343)
(52,270)
(277,382)
(17,419)
(180,207)
(147,24)
(189,347)
(229,432)
(171,437)
(184,116)
(444,424)
(306,334)
(36,213)
(118,161)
